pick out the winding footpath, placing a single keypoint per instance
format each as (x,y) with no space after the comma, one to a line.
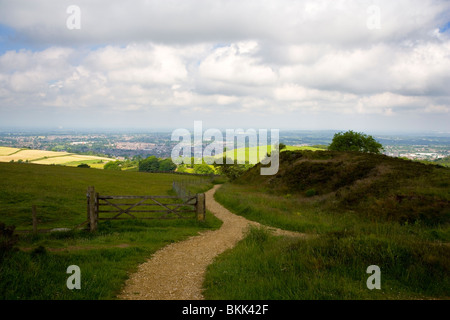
(177,271)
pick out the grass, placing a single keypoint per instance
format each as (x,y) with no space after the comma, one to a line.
(37,268)
(244,153)
(105,258)
(366,210)
(59,193)
(265,267)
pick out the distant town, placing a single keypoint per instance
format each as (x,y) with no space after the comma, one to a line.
(128,145)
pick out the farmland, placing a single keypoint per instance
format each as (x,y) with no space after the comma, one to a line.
(8,154)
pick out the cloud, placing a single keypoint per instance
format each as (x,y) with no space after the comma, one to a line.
(255,59)
(337,22)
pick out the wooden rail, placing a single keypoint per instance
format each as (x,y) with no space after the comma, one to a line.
(160,207)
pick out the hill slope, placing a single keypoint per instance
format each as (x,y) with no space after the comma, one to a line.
(373,185)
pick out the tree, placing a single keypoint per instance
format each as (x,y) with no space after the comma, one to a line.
(231,171)
(355,141)
(203,169)
(150,164)
(167,165)
(113,165)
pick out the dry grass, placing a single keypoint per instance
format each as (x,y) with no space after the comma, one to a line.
(45,157)
(6,151)
(31,155)
(69,158)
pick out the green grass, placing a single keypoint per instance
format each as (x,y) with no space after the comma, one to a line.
(366,210)
(59,193)
(105,257)
(265,267)
(243,153)
(97,164)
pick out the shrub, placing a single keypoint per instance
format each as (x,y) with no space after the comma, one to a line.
(310,192)
(113,165)
(203,169)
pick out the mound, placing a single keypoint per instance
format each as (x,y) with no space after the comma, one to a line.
(374,185)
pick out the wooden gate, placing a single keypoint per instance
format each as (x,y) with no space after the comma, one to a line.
(143,207)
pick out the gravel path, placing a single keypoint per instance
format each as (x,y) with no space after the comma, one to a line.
(176,272)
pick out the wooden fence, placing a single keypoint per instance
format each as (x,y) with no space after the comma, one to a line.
(100,207)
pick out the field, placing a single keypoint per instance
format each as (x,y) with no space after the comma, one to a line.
(38,269)
(5,151)
(50,157)
(244,153)
(364,210)
(361,209)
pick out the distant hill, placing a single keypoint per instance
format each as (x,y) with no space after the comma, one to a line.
(372,185)
(8,154)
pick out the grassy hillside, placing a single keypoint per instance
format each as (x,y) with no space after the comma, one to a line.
(376,186)
(363,210)
(37,270)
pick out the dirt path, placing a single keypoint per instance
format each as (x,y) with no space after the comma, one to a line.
(176,272)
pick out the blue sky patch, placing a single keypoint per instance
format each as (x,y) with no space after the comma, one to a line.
(445,28)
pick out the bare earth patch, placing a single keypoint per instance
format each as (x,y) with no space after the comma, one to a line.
(176,272)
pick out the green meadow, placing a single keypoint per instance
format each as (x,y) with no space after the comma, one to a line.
(36,268)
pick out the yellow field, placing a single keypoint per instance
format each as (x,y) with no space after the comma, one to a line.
(5,151)
(49,157)
(69,158)
(31,155)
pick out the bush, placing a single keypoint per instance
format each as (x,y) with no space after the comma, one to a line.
(203,169)
(113,165)
(310,192)
(231,171)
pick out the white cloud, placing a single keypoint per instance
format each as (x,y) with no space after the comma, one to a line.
(228,57)
(237,64)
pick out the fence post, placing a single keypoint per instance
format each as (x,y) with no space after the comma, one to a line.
(200,206)
(96,209)
(92,199)
(33,209)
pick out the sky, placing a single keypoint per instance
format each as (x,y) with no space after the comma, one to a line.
(366,65)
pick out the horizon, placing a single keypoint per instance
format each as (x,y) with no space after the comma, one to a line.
(124,130)
(372,67)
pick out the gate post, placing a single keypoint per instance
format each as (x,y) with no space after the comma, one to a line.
(92,209)
(200,207)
